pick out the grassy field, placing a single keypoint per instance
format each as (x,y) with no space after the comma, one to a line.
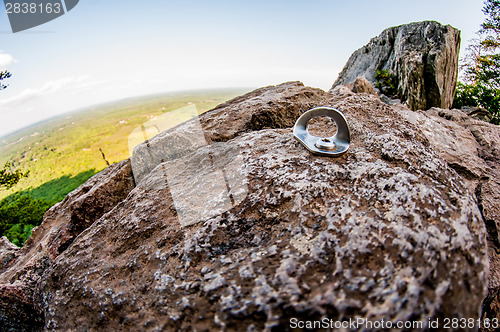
(64,152)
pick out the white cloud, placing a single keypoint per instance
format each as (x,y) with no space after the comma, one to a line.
(64,84)
(6,60)
(48,99)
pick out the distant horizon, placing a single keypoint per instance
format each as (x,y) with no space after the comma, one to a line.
(117,101)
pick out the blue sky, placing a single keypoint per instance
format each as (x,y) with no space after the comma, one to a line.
(104,50)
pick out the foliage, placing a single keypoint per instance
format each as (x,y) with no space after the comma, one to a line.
(386,83)
(23,210)
(477,95)
(19,214)
(481,66)
(19,233)
(55,190)
(3,75)
(10,178)
(466,95)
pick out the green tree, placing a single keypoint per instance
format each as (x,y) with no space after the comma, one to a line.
(481,66)
(19,213)
(19,233)
(3,75)
(9,178)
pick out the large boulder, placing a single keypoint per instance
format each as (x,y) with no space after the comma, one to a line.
(394,230)
(421,57)
(21,269)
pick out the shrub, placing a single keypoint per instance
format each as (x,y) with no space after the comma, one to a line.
(19,214)
(386,83)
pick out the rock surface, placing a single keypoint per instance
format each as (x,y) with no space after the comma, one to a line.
(392,230)
(8,251)
(17,310)
(361,85)
(472,148)
(423,58)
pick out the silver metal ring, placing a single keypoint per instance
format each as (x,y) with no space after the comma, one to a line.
(333,146)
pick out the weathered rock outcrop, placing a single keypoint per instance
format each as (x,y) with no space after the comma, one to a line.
(8,251)
(422,57)
(361,85)
(21,269)
(392,230)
